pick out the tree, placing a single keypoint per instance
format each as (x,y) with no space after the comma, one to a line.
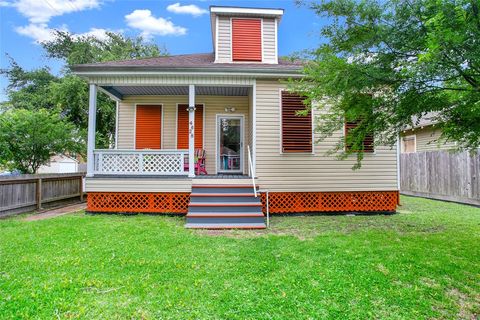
(29,138)
(28,89)
(388,62)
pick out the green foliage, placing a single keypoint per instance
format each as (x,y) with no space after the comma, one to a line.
(423,263)
(29,138)
(28,89)
(389,62)
(88,49)
(68,94)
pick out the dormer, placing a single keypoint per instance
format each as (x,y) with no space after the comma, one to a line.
(245,35)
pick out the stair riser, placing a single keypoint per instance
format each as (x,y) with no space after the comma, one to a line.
(225,209)
(222,190)
(194,199)
(223,220)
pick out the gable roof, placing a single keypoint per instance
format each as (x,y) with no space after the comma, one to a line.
(189,63)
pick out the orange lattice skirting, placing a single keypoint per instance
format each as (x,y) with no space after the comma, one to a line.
(279,202)
(299,202)
(138,202)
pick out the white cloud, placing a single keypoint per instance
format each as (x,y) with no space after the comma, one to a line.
(150,26)
(187,9)
(38,32)
(41,11)
(41,32)
(99,33)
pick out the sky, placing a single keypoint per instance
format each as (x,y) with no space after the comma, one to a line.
(181,27)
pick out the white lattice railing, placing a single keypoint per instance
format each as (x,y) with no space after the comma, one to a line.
(144,162)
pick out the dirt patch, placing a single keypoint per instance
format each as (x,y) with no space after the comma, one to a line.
(56,212)
(468,306)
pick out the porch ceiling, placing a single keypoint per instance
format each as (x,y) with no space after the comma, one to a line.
(121,91)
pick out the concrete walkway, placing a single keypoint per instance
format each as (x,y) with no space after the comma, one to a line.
(56,212)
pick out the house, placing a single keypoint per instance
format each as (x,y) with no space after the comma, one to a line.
(425,135)
(60,164)
(232,104)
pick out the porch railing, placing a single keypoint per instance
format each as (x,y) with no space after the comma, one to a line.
(140,162)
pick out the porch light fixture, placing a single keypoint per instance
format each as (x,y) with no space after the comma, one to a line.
(229,109)
(191,108)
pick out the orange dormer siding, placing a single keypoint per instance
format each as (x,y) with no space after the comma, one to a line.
(246,39)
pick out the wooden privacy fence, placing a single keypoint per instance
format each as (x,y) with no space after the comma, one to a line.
(28,192)
(441,175)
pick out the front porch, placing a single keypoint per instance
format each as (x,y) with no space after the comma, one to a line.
(215,119)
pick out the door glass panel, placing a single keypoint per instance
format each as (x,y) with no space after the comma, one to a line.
(230,144)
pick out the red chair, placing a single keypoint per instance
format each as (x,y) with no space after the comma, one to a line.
(200,166)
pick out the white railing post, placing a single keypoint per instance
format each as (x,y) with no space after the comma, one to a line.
(191,131)
(92,115)
(140,163)
(100,162)
(251,170)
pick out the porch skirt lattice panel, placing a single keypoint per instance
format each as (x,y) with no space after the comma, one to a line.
(138,202)
(298,202)
(279,202)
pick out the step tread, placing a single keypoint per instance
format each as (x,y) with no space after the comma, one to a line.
(223,195)
(225,225)
(224,214)
(226,204)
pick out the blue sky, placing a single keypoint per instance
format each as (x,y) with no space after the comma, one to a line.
(181,27)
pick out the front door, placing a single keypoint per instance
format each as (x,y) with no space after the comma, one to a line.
(230,144)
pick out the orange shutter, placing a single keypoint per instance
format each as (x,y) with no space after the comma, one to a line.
(148,127)
(367,142)
(247,39)
(296,130)
(182,126)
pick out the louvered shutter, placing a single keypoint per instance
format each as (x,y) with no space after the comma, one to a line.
(296,130)
(148,127)
(367,142)
(182,126)
(246,40)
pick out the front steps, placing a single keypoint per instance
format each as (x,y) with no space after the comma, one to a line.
(220,206)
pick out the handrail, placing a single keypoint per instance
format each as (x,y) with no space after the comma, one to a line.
(250,169)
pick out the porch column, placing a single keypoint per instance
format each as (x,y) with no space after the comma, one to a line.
(92,116)
(191,131)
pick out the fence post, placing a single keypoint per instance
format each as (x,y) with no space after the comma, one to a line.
(80,187)
(38,195)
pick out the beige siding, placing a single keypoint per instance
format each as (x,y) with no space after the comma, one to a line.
(269,44)
(312,172)
(224,40)
(213,105)
(428,139)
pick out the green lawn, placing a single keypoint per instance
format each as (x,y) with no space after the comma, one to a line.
(422,263)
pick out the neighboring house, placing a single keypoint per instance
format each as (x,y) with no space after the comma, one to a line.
(60,164)
(229,113)
(424,136)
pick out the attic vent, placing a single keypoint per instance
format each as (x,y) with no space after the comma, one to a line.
(247,40)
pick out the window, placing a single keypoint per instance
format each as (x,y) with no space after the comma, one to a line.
(367,142)
(182,126)
(296,129)
(409,144)
(148,127)
(246,39)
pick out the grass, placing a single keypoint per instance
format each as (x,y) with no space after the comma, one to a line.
(422,263)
